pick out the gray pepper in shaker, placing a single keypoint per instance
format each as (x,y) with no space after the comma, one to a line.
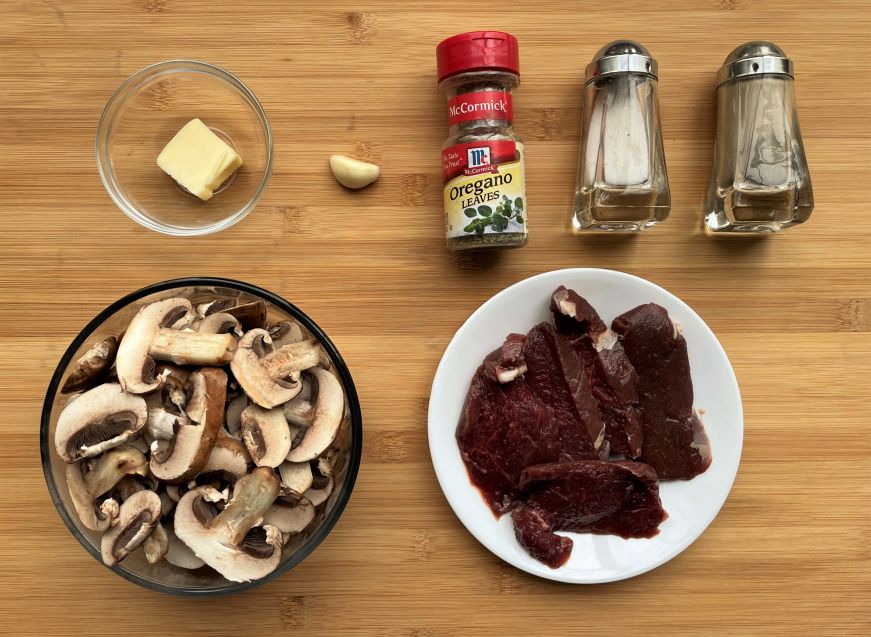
(622,182)
(760,180)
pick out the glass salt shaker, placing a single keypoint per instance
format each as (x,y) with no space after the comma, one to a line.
(760,180)
(622,182)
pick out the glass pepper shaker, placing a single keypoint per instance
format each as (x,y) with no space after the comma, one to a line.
(760,180)
(622,182)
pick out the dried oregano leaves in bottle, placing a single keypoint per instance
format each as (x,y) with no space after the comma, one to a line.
(482,159)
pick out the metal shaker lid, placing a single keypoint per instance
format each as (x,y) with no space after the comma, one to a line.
(754,58)
(620,56)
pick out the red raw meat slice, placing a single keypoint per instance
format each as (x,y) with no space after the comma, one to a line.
(556,376)
(613,376)
(620,498)
(675,443)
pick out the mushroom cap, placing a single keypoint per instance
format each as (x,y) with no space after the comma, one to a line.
(91,366)
(285,332)
(329,410)
(91,515)
(296,476)
(250,371)
(100,419)
(229,541)
(135,367)
(266,435)
(228,456)
(220,323)
(290,514)
(322,485)
(193,443)
(138,516)
(233,421)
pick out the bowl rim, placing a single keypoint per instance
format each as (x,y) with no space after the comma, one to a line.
(104,127)
(341,368)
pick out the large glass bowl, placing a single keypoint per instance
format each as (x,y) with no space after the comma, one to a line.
(163,576)
(146,112)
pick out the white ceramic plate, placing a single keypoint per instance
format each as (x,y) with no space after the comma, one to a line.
(691,505)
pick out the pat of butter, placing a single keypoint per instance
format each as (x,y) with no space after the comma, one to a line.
(198,159)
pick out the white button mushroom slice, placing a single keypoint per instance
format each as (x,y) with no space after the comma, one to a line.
(192,444)
(136,520)
(329,409)
(178,553)
(149,338)
(301,411)
(249,369)
(156,545)
(139,443)
(322,485)
(295,476)
(294,358)
(175,491)
(102,418)
(290,514)
(228,461)
(233,420)
(220,323)
(229,541)
(86,485)
(266,435)
(91,366)
(167,504)
(251,315)
(285,332)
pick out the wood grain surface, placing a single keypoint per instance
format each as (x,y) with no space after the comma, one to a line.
(790,552)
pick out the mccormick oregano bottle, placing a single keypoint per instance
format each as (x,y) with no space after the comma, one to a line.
(482,159)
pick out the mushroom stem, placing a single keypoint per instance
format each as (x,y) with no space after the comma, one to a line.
(252,497)
(110,468)
(294,358)
(156,545)
(192,348)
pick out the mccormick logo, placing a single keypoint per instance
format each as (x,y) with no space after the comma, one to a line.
(478,157)
(491,107)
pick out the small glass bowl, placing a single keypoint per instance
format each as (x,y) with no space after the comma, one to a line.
(165,577)
(146,112)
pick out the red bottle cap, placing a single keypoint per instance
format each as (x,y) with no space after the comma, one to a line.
(478,51)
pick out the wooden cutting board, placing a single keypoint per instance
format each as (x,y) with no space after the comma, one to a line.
(790,552)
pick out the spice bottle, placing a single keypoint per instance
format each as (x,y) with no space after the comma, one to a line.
(622,182)
(482,159)
(760,180)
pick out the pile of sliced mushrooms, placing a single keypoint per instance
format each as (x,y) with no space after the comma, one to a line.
(170,452)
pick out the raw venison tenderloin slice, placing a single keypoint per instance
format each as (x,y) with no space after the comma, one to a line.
(675,443)
(620,498)
(503,428)
(613,377)
(556,376)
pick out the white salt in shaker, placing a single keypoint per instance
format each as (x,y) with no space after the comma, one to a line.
(760,180)
(622,182)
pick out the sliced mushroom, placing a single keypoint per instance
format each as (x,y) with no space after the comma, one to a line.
(175,491)
(270,377)
(266,435)
(322,486)
(233,420)
(87,484)
(167,504)
(138,516)
(290,513)
(149,337)
(220,323)
(139,443)
(229,541)
(285,332)
(192,444)
(92,366)
(295,476)
(250,315)
(329,408)
(178,553)
(102,418)
(156,545)
(228,460)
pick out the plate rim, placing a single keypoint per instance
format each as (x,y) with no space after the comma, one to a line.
(558,574)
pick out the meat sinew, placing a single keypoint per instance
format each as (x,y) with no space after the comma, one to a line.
(557,377)
(613,376)
(504,428)
(620,498)
(675,443)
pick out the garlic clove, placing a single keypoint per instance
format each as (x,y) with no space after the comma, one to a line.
(353,173)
